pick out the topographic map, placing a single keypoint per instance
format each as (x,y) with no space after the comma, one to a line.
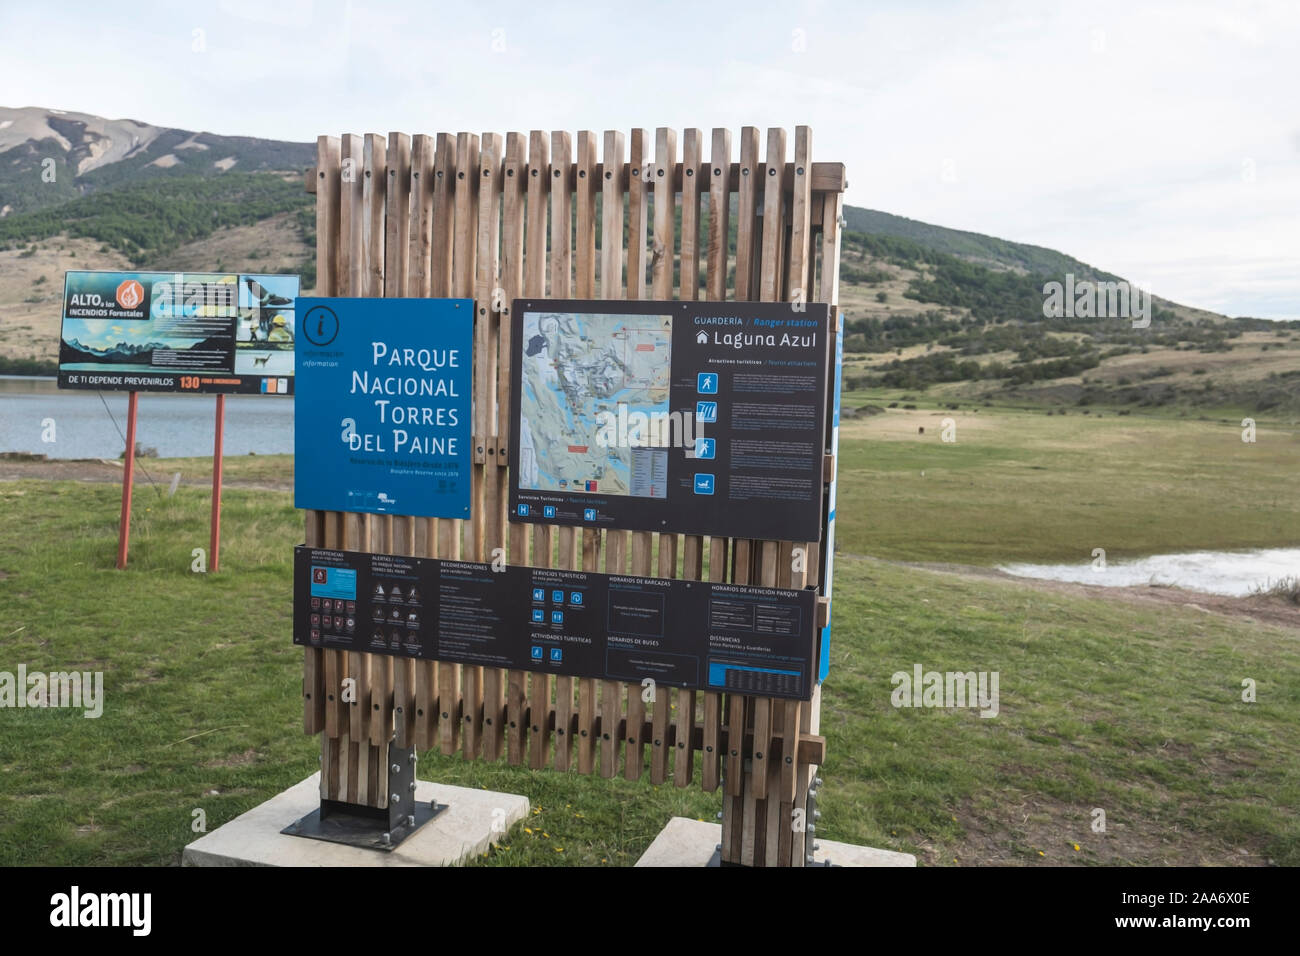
(577,366)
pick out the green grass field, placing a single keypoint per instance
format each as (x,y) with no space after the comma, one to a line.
(1025,486)
(1105,704)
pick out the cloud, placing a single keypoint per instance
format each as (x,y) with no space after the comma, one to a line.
(1116,131)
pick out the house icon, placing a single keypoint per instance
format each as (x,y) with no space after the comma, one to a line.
(702,337)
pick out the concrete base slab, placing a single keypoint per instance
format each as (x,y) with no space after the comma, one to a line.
(461,831)
(686,842)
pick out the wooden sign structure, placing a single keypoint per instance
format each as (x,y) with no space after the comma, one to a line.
(494,218)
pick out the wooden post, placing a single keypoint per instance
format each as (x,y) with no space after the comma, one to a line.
(128,481)
(218,443)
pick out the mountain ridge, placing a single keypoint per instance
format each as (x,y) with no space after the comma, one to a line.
(93,146)
(958,315)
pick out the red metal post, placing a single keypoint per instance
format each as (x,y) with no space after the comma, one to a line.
(214,543)
(128,481)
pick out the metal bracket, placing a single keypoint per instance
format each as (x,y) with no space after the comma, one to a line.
(808,841)
(373,828)
(811,816)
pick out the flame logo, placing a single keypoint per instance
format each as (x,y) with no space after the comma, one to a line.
(130,294)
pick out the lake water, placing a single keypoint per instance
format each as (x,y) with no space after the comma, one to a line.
(181,426)
(177,426)
(1232,573)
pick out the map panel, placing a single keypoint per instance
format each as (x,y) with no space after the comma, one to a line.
(696,417)
(582,375)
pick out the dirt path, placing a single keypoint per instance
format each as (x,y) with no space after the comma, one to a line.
(1261,609)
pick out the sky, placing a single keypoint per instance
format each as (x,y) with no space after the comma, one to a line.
(1157,140)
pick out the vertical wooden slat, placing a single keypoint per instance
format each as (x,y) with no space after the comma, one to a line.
(611,232)
(800,216)
(684,746)
(397,217)
(351,280)
(753,804)
(746,212)
(561,206)
(733,779)
(738,800)
(789,849)
(313,688)
(616,542)
(535,236)
(664,696)
(810,712)
(421,217)
(715,281)
(373,224)
(334,745)
(426,701)
(490,504)
(490,499)
(327,225)
(561,270)
(404,677)
(634,739)
(512,280)
(829,289)
(328,191)
(351,256)
(451,532)
(665,206)
(369,742)
(611,692)
(770,270)
(362,752)
(409,260)
(712,701)
(639,169)
(443,227)
(441,267)
(761,828)
(585,282)
(637,195)
(585,207)
(692,170)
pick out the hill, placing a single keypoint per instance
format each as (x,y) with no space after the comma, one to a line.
(998,253)
(53,156)
(927,309)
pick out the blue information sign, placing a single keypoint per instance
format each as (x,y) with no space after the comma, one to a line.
(382,417)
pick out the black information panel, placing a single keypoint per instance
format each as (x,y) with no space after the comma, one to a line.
(698,417)
(692,634)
